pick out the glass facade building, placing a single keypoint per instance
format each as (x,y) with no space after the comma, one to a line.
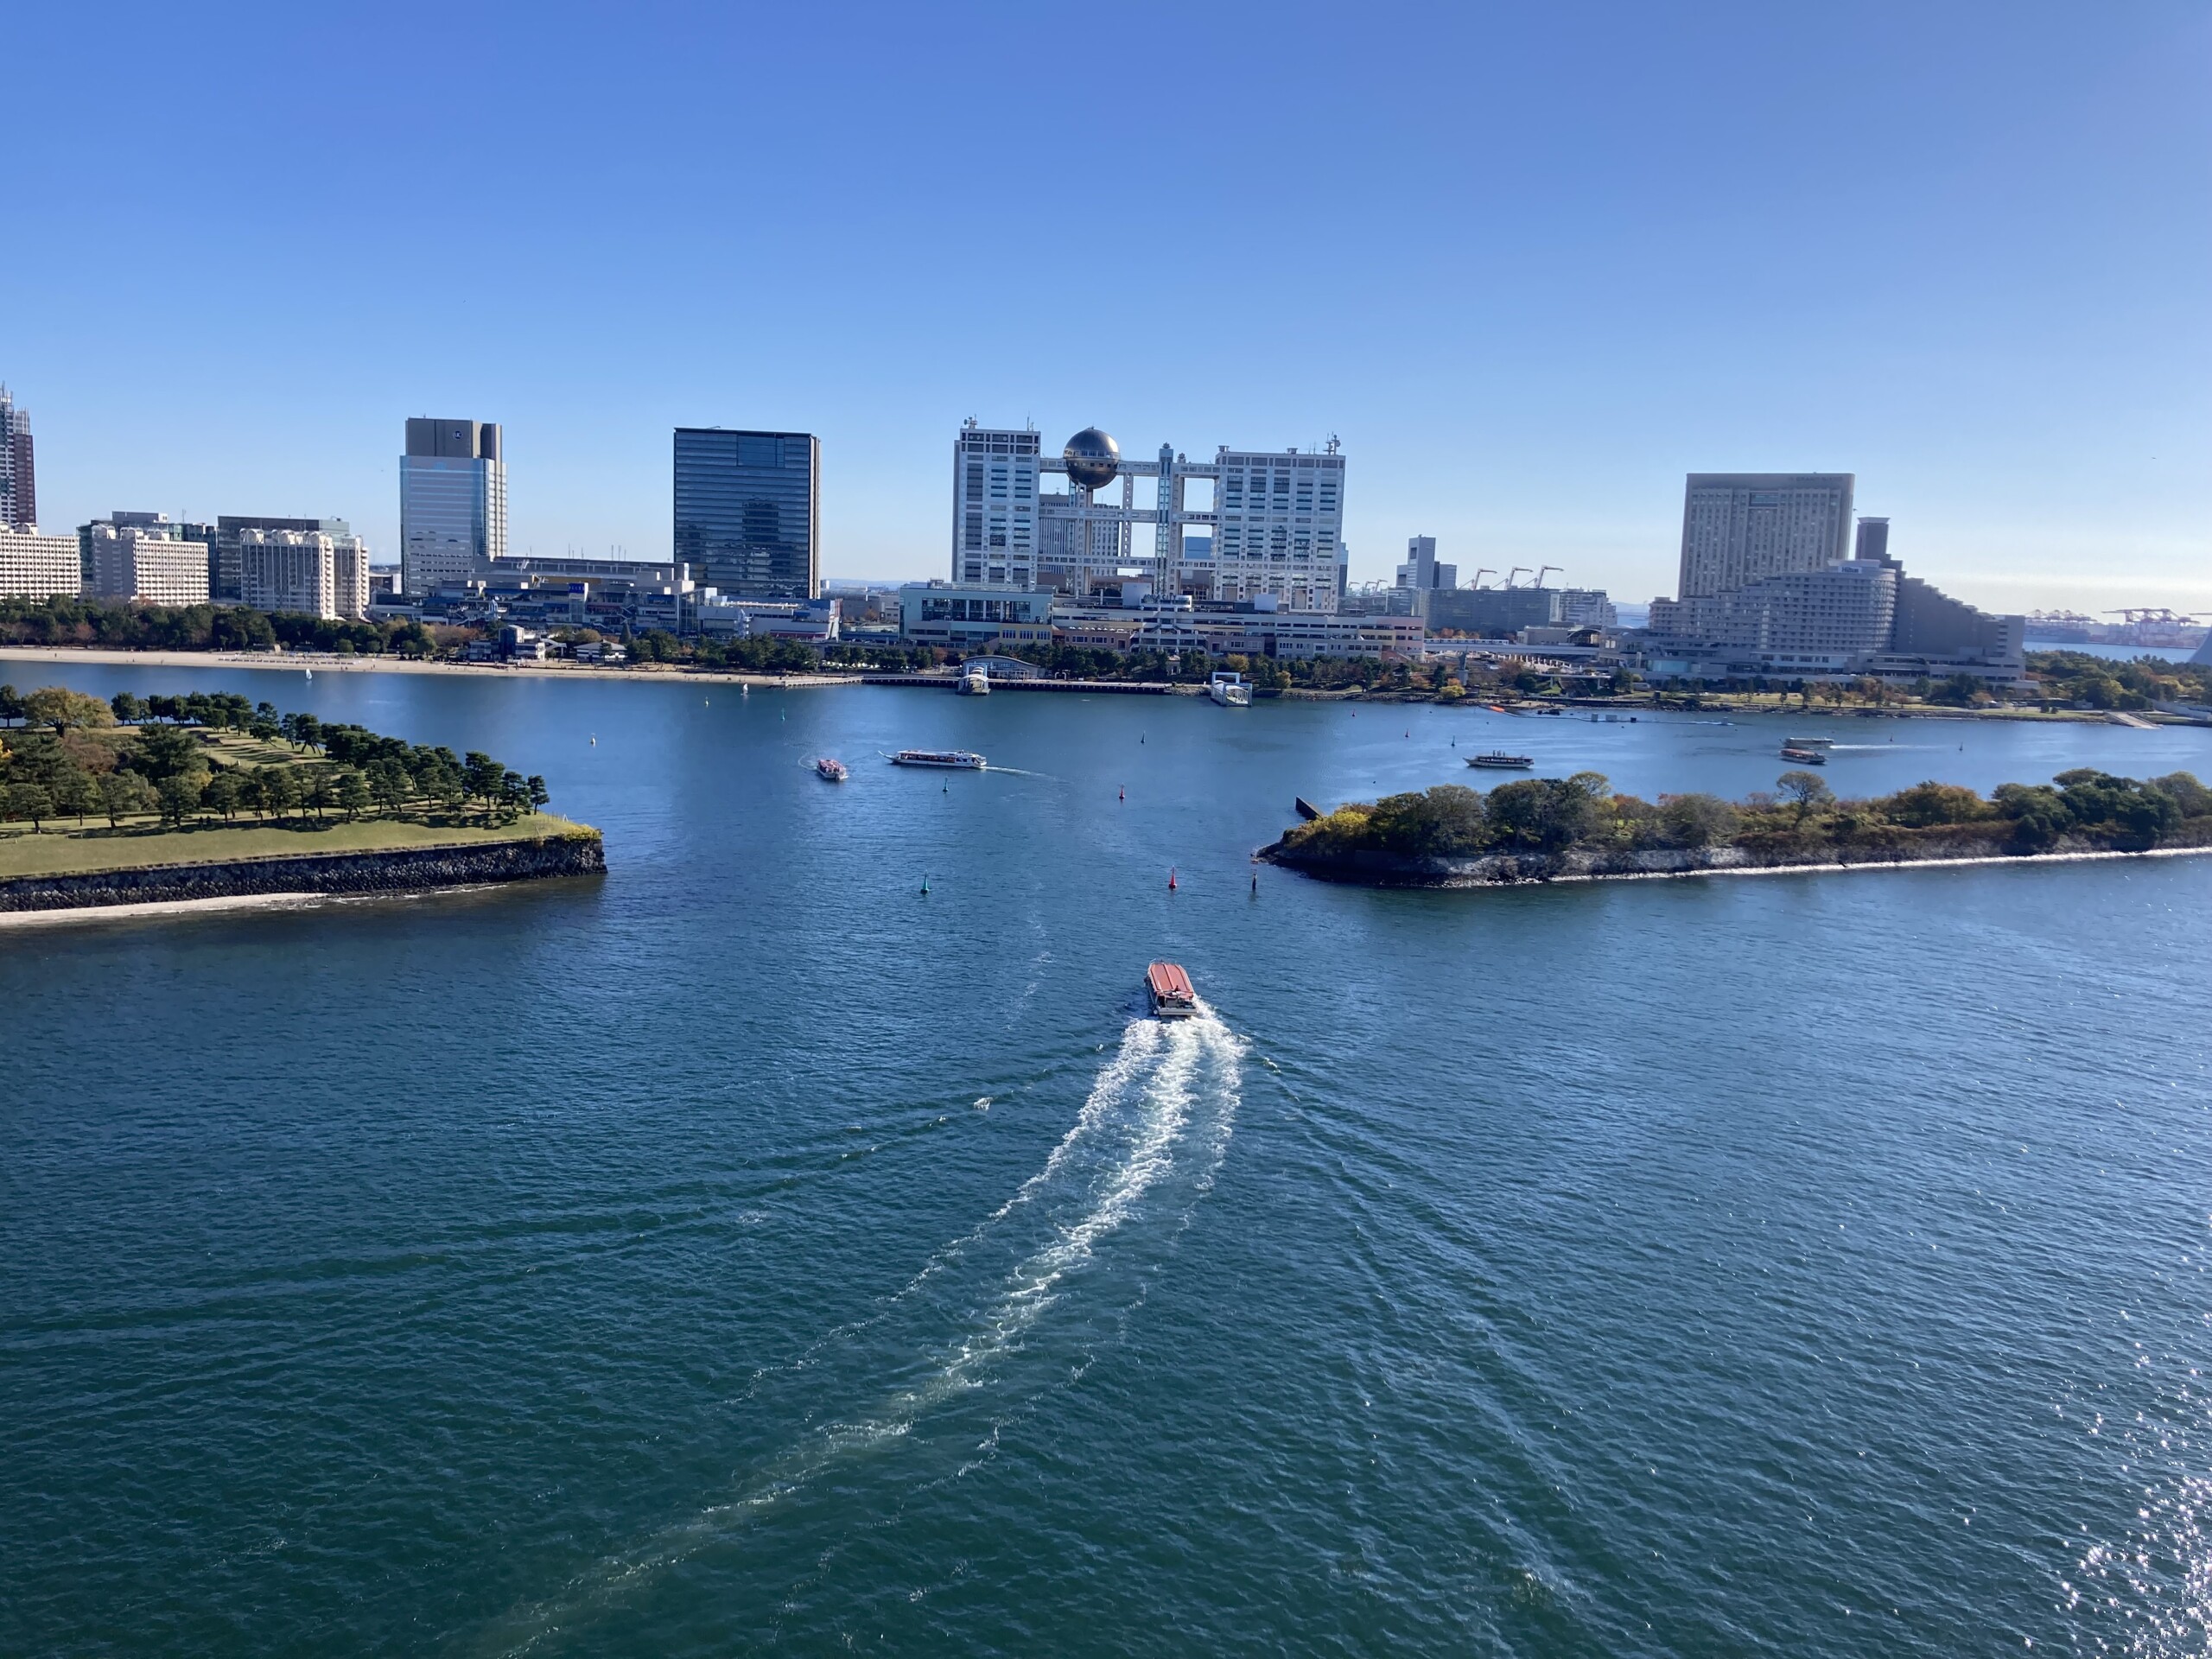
(453,502)
(749,510)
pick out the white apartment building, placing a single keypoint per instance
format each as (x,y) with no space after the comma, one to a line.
(33,566)
(1279,518)
(994,507)
(304,573)
(1739,528)
(144,560)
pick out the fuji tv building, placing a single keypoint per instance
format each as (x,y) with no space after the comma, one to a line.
(1270,532)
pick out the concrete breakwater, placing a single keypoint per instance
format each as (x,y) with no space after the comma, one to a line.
(404,869)
(1376,869)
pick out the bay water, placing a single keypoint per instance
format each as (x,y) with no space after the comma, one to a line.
(751,1252)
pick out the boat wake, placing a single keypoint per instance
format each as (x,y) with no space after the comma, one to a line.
(1144,1147)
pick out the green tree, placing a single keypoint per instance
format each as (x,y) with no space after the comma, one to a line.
(279,792)
(61,707)
(32,802)
(11,705)
(353,792)
(481,777)
(222,794)
(1929,803)
(73,790)
(129,710)
(162,751)
(539,795)
(180,797)
(126,795)
(1694,820)
(390,785)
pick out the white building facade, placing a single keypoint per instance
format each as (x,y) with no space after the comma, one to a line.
(39,567)
(304,573)
(1739,528)
(995,478)
(146,561)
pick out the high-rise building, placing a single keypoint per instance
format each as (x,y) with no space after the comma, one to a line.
(1281,517)
(18,477)
(143,556)
(749,510)
(307,572)
(996,508)
(1739,528)
(1421,571)
(1874,538)
(453,501)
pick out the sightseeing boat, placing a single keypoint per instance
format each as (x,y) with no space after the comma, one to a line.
(830,771)
(1809,742)
(1502,761)
(952,759)
(1168,988)
(975,682)
(1803,757)
(1227,689)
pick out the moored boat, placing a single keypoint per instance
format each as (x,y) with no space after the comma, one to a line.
(1803,757)
(1227,688)
(954,759)
(1170,992)
(830,771)
(1511,762)
(974,683)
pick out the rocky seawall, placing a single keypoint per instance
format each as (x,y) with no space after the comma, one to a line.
(404,869)
(1376,869)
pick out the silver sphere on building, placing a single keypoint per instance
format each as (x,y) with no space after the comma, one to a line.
(1094,459)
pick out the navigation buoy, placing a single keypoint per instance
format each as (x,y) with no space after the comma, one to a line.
(595,740)
(1170,878)
(1256,884)
(926,886)
(1123,793)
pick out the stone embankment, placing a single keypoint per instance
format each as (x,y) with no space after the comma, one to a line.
(407,869)
(1376,869)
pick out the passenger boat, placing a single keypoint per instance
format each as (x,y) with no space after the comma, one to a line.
(1169,988)
(956,759)
(974,683)
(831,771)
(1506,762)
(1810,742)
(1227,689)
(1803,757)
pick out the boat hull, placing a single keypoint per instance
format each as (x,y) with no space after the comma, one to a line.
(1167,990)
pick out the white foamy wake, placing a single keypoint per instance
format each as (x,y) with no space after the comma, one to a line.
(1165,1102)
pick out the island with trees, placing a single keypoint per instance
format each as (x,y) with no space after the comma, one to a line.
(1577,827)
(148,799)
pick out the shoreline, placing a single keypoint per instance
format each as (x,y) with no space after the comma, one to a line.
(332,662)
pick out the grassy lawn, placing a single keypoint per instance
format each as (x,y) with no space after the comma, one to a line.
(65,850)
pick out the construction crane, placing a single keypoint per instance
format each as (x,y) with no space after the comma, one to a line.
(1479,574)
(1541,574)
(2150,613)
(1517,570)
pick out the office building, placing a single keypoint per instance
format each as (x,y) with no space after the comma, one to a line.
(143,555)
(33,566)
(1420,571)
(18,477)
(1873,541)
(749,510)
(997,505)
(960,616)
(1274,526)
(304,572)
(1739,528)
(453,501)
(1493,613)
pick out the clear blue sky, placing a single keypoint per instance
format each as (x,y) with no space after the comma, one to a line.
(1531,263)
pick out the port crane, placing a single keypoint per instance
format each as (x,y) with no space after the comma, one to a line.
(1479,574)
(1541,574)
(1517,570)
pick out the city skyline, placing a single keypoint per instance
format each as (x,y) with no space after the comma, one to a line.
(1529,310)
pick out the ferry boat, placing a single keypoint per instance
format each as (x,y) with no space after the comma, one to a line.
(974,683)
(1803,757)
(955,760)
(1506,762)
(1809,742)
(831,771)
(1169,989)
(1227,689)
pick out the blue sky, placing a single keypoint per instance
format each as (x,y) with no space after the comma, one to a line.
(1531,264)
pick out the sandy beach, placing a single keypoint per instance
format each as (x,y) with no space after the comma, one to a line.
(286,662)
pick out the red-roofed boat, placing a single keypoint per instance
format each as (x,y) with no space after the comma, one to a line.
(1169,987)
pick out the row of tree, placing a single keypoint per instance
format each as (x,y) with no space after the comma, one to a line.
(1553,815)
(171,764)
(124,624)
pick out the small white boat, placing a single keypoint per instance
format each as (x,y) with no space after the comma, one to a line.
(952,759)
(1509,762)
(1810,742)
(1227,688)
(974,683)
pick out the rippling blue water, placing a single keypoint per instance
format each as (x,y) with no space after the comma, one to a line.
(748,1252)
